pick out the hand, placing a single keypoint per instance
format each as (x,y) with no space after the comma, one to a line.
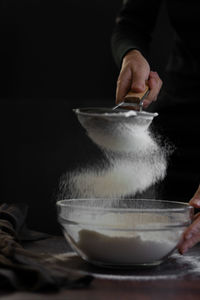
(191,235)
(135,72)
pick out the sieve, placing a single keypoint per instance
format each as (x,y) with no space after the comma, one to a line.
(128,112)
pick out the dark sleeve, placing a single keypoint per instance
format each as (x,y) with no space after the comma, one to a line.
(134,26)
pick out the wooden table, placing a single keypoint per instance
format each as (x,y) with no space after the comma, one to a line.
(177,278)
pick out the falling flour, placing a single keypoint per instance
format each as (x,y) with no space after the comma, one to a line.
(134,162)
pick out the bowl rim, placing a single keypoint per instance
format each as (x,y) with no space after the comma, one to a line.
(184,206)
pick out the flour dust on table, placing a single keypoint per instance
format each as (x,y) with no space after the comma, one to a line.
(134,161)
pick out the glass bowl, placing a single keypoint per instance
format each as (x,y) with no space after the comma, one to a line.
(123,232)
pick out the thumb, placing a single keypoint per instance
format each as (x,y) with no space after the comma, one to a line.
(195,201)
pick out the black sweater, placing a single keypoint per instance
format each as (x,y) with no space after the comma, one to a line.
(134,27)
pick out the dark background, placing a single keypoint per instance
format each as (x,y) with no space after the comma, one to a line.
(55,56)
(62,50)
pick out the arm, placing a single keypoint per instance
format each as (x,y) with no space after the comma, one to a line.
(130,43)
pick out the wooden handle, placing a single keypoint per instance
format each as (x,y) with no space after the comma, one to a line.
(133,97)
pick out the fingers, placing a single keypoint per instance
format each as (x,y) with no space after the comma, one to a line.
(130,79)
(155,84)
(136,80)
(196,216)
(195,201)
(134,73)
(139,79)
(191,236)
(123,84)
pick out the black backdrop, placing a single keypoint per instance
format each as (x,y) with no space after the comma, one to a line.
(54,55)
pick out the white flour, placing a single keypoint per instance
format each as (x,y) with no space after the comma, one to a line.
(125,238)
(128,241)
(119,137)
(116,249)
(135,161)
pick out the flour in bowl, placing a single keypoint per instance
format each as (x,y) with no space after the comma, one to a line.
(126,238)
(116,249)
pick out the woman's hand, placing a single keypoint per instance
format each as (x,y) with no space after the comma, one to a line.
(135,72)
(191,235)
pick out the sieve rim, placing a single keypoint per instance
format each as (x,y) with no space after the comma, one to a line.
(113,113)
